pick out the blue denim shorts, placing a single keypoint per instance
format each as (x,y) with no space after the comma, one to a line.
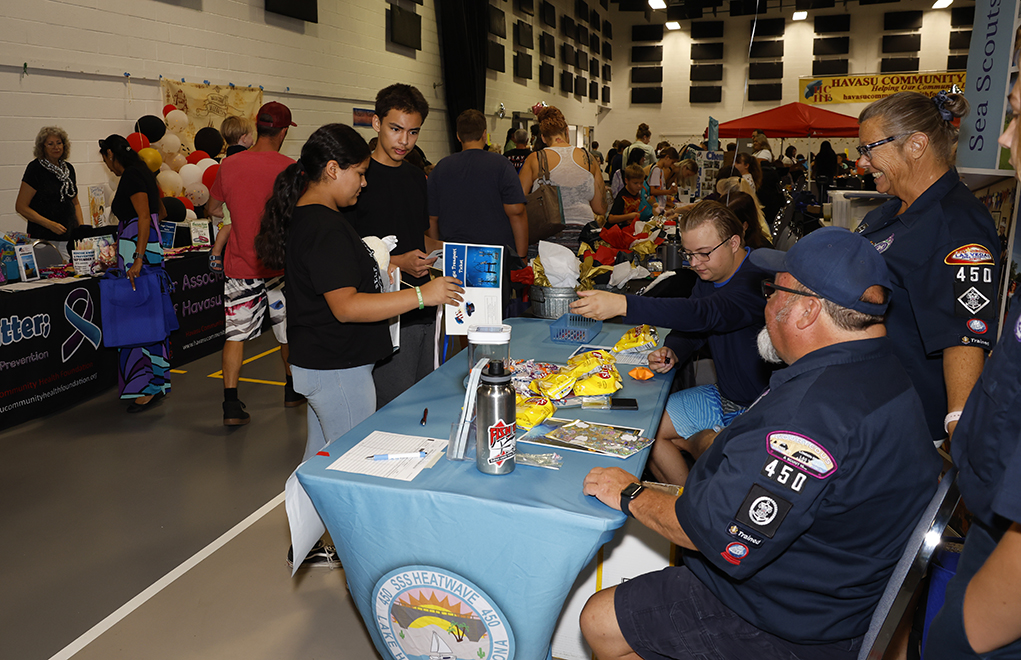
(671,615)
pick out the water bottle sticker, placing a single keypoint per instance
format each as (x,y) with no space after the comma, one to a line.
(501,442)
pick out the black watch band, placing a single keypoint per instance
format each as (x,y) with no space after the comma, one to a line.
(630,492)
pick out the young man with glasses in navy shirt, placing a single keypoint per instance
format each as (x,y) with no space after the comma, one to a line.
(724,311)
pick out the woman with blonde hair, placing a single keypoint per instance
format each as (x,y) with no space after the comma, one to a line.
(762,150)
(48,197)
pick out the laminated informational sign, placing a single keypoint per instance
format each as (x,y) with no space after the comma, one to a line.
(480,270)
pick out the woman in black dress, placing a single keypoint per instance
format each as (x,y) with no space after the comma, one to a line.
(48,197)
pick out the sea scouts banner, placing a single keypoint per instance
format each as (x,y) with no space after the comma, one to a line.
(869,88)
(209,105)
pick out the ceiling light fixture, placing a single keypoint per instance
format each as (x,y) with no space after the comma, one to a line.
(802,15)
(657,4)
(942,4)
(673,25)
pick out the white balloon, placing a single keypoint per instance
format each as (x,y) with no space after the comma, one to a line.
(190,173)
(197,193)
(177,161)
(188,213)
(169,144)
(170,182)
(165,168)
(205,163)
(177,121)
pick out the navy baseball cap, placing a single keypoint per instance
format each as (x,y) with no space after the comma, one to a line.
(835,263)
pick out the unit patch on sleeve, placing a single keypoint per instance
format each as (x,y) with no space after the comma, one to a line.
(762,511)
(801,452)
(735,552)
(790,478)
(974,289)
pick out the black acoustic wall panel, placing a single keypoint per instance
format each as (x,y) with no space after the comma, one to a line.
(606,94)
(567,54)
(765,70)
(593,90)
(581,10)
(607,71)
(594,43)
(712,51)
(580,86)
(566,82)
(548,14)
(769,27)
(593,68)
(595,20)
(705,94)
(875,2)
(497,22)
(960,40)
(829,68)
(646,54)
(833,24)
(831,46)
(405,27)
(547,45)
(495,59)
(305,10)
(523,65)
(743,7)
(647,95)
(902,43)
(707,30)
(902,20)
(581,36)
(567,27)
(607,50)
(523,35)
(706,72)
(962,16)
(899,65)
(957,63)
(525,6)
(581,60)
(767,48)
(771,92)
(546,74)
(808,5)
(607,29)
(647,74)
(646,33)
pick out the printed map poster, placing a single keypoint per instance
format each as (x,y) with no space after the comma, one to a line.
(480,269)
(869,88)
(209,105)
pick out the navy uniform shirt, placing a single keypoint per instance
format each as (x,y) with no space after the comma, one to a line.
(728,316)
(801,508)
(987,440)
(943,256)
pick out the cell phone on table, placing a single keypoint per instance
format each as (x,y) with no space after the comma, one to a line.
(623,404)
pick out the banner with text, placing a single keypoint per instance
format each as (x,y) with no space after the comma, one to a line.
(198,302)
(209,105)
(866,89)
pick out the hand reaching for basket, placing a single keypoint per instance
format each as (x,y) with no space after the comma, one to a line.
(600,305)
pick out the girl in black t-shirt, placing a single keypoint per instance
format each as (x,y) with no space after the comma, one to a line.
(48,197)
(336,314)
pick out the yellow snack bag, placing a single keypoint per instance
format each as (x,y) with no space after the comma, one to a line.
(603,357)
(533,411)
(554,386)
(601,382)
(637,339)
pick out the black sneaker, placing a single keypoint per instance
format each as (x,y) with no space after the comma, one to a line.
(291,398)
(320,555)
(234,414)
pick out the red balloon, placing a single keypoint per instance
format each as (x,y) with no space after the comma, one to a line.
(195,156)
(138,142)
(209,176)
(187,203)
(167,108)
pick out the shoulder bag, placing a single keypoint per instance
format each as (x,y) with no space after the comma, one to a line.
(140,316)
(544,206)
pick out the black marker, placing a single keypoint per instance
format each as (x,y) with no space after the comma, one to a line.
(425,415)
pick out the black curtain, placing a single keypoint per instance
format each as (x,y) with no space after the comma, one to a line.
(463,28)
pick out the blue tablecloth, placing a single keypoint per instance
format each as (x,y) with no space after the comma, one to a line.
(508,547)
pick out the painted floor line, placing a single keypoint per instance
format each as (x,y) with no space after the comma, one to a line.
(127,608)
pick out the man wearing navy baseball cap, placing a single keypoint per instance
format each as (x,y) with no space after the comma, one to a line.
(796,515)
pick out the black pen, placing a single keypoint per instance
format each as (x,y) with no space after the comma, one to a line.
(425,415)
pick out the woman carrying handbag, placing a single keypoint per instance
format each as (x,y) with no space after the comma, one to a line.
(143,371)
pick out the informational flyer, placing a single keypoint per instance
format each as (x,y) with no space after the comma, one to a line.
(480,269)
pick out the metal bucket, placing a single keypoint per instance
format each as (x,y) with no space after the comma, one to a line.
(550,302)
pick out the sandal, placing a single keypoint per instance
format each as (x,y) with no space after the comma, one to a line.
(215,263)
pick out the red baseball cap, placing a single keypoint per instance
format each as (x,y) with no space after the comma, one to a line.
(274,115)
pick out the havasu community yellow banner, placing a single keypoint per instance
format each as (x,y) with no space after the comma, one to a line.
(866,89)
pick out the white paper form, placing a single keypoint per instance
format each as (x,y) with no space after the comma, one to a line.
(356,459)
(640,359)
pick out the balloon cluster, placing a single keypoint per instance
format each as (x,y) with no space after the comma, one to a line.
(186,177)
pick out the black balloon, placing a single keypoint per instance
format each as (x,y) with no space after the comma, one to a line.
(151,127)
(176,211)
(209,140)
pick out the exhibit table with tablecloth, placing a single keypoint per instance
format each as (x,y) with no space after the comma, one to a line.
(455,561)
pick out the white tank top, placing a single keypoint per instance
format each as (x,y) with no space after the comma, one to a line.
(577,186)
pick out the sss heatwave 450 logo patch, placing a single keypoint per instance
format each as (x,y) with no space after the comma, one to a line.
(427,612)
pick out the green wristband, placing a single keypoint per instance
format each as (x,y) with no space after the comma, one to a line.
(421,300)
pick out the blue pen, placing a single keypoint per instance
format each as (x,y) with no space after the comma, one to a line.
(392,457)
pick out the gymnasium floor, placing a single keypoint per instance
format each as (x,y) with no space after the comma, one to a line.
(163,534)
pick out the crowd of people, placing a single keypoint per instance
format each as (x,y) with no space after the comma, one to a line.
(841,364)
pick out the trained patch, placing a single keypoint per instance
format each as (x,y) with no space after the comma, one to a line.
(735,552)
(972,253)
(975,341)
(762,511)
(739,533)
(978,326)
(789,477)
(801,452)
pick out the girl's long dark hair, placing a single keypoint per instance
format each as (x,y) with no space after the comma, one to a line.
(123,153)
(338,142)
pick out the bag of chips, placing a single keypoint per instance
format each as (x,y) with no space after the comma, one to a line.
(554,386)
(637,340)
(533,411)
(604,381)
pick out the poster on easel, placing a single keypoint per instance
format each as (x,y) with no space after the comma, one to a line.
(480,269)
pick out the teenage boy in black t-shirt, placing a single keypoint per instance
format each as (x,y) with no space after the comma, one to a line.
(393,202)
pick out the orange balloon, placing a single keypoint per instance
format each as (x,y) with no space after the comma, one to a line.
(138,142)
(195,156)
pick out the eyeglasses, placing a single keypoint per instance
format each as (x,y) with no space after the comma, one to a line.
(769,288)
(866,149)
(703,256)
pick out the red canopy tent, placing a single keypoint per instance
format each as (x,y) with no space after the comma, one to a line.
(792,120)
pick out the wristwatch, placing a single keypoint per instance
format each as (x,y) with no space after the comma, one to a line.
(630,492)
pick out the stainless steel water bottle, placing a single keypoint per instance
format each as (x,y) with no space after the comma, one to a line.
(495,421)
